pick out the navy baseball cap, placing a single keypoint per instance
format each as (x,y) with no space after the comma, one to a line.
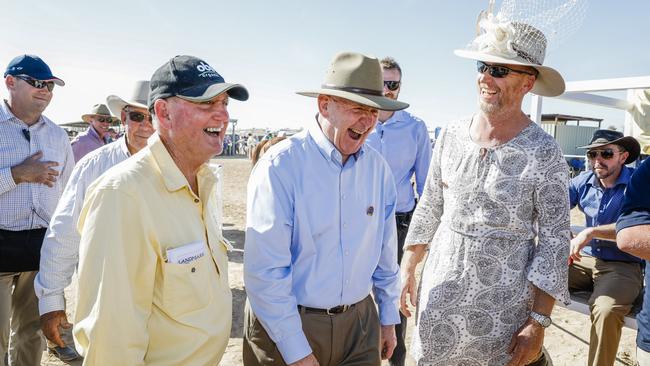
(32,66)
(191,78)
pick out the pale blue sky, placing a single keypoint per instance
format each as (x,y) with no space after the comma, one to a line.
(278,47)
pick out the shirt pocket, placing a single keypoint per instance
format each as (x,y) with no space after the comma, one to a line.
(188,287)
(53,153)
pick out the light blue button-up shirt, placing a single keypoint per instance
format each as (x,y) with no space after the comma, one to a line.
(319,234)
(403,140)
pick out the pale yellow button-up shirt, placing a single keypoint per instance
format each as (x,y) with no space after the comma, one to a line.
(133,307)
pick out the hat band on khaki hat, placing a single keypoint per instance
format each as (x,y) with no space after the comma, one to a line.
(353,89)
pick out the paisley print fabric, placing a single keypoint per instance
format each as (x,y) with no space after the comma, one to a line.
(497,223)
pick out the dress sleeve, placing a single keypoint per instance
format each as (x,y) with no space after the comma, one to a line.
(428,213)
(549,268)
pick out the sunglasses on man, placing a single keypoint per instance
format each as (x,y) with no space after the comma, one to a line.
(392,85)
(106,119)
(38,84)
(497,71)
(606,154)
(138,116)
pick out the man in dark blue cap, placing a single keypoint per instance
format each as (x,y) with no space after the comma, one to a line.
(598,265)
(151,234)
(35,163)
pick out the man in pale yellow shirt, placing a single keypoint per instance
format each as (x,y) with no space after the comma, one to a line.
(153,270)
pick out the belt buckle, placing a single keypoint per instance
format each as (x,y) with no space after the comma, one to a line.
(332,311)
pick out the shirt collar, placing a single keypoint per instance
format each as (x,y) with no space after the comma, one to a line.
(395,118)
(8,115)
(172,176)
(623,178)
(326,147)
(123,146)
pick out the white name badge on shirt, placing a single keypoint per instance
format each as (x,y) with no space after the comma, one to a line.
(187,253)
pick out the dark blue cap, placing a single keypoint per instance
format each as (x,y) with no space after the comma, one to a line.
(191,78)
(32,66)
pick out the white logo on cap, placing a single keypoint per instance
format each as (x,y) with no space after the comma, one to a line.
(206,71)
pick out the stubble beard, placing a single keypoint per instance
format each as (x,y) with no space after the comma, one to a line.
(489,108)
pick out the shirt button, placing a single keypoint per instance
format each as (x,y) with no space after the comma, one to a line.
(347,282)
(347,253)
(193,269)
(345,225)
(343,196)
(196,200)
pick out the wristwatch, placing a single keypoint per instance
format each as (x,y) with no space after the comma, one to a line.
(543,320)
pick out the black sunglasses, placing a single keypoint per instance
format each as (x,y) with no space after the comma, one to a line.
(38,84)
(604,153)
(139,116)
(392,85)
(497,71)
(105,119)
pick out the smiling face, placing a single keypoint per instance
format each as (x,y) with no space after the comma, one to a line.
(193,131)
(137,132)
(101,124)
(26,98)
(499,94)
(345,123)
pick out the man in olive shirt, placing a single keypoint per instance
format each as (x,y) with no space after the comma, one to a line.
(153,270)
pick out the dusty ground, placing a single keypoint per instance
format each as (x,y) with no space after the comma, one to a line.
(566,341)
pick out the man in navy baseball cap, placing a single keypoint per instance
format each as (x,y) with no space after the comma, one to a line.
(34,68)
(189,103)
(36,163)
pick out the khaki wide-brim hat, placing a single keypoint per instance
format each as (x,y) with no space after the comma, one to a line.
(528,49)
(357,78)
(139,98)
(99,110)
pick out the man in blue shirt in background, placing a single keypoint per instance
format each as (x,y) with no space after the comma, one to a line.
(633,236)
(598,265)
(321,233)
(403,140)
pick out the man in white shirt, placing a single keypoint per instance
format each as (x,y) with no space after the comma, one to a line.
(60,251)
(35,164)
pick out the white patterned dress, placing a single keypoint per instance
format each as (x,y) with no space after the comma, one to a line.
(497,221)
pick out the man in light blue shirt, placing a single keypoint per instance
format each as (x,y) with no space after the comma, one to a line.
(403,140)
(321,233)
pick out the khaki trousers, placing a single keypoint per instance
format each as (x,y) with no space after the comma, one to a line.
(349,338)
(19,313)
(615,287)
